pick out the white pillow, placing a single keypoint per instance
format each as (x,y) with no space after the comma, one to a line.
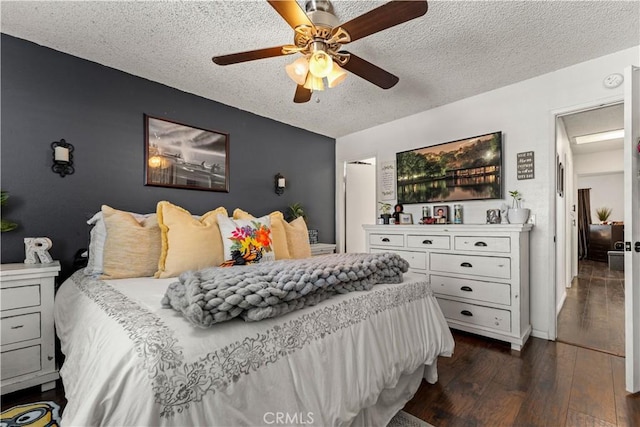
(246,241)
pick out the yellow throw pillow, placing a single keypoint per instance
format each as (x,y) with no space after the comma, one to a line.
(278,233)
(131,248)
(188,243)
(298,238)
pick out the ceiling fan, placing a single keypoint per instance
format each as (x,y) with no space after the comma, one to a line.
(319,38)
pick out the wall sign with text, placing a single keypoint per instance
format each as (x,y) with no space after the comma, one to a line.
(526,165)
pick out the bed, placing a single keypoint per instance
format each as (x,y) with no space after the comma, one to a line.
(154,334)
(353,359)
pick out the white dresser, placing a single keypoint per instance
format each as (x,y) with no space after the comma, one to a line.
(28,355)
(479,273)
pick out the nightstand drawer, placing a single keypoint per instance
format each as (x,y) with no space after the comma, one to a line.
(415,259)
(498,267)
(476,314)
(20,297)
(428,242)
(386,240)
(20,328)
(499,293)
(482,244)
(19,362)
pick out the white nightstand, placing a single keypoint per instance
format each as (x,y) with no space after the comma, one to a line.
(322,248)
(28,355)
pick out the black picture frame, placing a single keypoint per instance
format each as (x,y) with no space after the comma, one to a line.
(466,169)
(559,177)
(178,155)
(441,213)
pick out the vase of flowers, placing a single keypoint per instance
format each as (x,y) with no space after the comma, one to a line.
(517,214)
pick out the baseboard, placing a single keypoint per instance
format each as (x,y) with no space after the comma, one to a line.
(563,297)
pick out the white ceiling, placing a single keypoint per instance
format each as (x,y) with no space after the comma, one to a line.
(458,49)
(592,121)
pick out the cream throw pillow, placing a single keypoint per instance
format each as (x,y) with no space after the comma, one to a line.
(278,233)
(298,238)
(188,243)
(132,246)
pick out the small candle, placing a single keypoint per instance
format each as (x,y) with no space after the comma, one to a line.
(281,182)
(61,154)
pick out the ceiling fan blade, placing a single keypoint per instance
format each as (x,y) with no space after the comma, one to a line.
(383,17)
(302,95)
(291,11)
(250,55)
(370,72)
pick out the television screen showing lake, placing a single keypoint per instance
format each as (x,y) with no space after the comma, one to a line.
(469,169)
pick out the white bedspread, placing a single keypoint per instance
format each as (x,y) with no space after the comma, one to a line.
(131,362)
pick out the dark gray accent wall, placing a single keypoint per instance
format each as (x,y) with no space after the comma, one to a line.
(48,95)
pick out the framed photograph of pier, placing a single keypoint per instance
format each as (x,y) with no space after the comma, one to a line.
(183,156)
(467,169)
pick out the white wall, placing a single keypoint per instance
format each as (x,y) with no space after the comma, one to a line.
(606,190)
(525,113)
(563,224)
(598,163)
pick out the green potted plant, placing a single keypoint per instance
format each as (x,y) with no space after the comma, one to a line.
(603,214)
(385,209)
(517,214)
(6,224)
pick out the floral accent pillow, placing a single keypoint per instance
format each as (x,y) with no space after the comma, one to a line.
(246,241)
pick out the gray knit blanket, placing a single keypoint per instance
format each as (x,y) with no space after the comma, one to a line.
(259,291)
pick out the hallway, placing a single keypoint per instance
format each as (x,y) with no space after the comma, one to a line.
(593,312)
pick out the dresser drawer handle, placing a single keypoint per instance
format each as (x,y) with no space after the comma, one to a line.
(480,244)
(386,239)
(466,264)
(427,242)
(17,326)
(466,313)
(466,289)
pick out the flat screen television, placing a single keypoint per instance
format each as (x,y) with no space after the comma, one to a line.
(467,169)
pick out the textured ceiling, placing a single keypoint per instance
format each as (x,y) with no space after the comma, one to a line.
(456,50)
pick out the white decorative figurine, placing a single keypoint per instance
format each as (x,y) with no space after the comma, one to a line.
(503,214)
(36,250)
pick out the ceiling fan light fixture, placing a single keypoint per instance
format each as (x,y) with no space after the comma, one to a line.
(336,76)
(298,70)
(314,83)
(320,64)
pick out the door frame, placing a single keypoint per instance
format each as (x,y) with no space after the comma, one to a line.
(555,115)
(341,198)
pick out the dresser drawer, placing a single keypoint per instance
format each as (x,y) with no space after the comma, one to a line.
(386,240)
(498,293)
(20,297)
(470,264)
(20,328)
(482,244)
(428,242)
(415,259)
(19,362)
(476,315)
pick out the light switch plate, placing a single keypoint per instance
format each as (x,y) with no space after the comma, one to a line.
(531,220)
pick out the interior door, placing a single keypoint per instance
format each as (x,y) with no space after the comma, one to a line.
(360,203)
(632,226)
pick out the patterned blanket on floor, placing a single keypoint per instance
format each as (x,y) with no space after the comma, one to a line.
(270,289)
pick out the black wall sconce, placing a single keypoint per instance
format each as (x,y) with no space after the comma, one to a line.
(280,184)
(62,158)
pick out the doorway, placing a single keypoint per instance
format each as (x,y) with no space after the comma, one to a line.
(590,280)
(360,202)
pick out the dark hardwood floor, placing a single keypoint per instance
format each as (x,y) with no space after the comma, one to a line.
(549,383)
(593,313)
